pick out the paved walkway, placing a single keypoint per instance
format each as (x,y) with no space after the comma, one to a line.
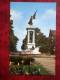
(48,63)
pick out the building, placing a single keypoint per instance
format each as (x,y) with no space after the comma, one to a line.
(52,37)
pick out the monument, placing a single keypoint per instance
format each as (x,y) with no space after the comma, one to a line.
(31,36)
(31,33)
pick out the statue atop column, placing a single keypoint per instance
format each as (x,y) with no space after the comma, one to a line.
(31,18)
(31,33)
(30,21)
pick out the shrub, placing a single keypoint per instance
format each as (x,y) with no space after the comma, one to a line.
(44,49)
(26,61)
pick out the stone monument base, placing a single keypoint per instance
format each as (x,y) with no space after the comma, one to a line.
(36,51)
(31,45)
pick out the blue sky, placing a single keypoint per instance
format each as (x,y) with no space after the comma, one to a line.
(21,13)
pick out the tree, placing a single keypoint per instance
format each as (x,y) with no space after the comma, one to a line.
(40,38)
(13,38)
(24,44)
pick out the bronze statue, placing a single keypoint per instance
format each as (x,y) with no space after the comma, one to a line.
(31,19)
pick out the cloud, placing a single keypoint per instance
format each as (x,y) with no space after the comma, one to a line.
(15,15)
(49,14)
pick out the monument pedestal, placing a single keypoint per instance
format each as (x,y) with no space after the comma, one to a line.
(30,38)
(36,51)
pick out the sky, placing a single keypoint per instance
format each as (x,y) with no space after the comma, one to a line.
(21,13)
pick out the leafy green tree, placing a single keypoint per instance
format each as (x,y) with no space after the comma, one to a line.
(13,38)
(24,45)
(40,38)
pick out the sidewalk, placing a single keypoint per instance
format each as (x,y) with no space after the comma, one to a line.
(48,63)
